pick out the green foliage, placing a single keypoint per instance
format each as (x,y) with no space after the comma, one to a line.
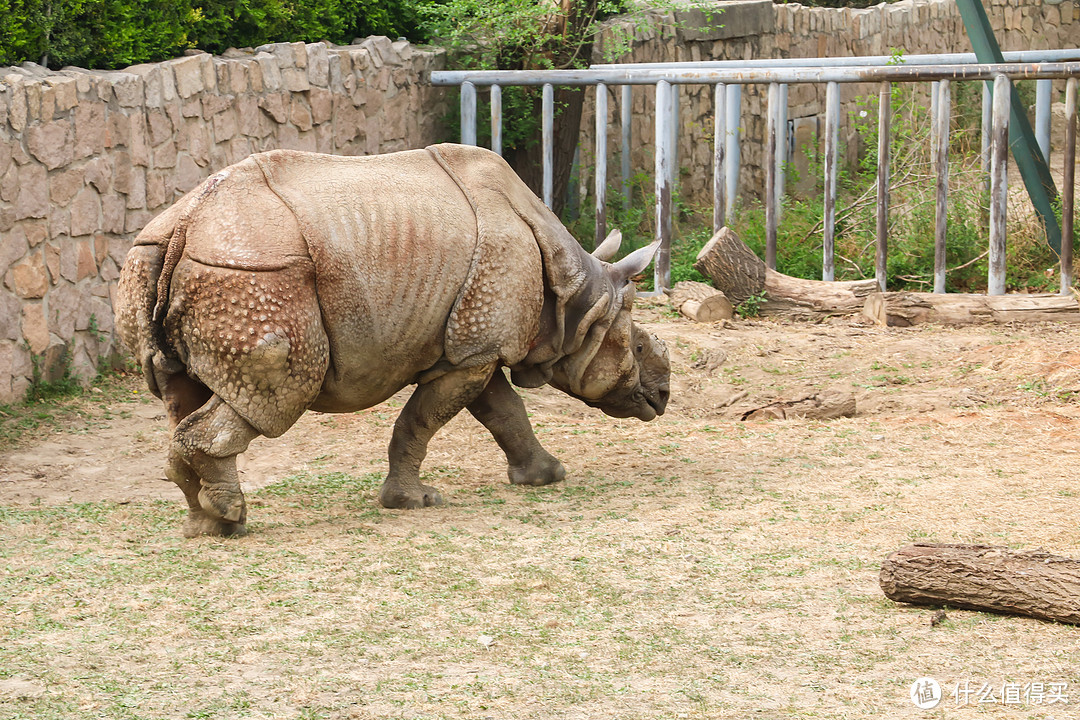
(246,23)
(751,306)
(518,34)
(93,33)
(67,385)
(116,33)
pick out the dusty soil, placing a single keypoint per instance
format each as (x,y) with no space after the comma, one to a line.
(1028,374)
(699,566)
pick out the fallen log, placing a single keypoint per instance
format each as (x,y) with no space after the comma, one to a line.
(981,577)
(903,309)
(700,302)
(819,406)
(736,271)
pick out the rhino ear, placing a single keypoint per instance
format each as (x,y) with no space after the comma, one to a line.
(633,263)
(607,249)
(530,377)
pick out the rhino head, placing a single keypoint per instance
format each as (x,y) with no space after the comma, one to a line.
(606,360)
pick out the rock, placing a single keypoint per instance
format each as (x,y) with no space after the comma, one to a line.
(318,64)
(189,75)
(14,247)
(50,143)
(128,89)
(294,79)
(188,173)
(17,111)
(64,184)
(33,198)
(271,73)
(9,184)
(225,126)
(52,261)
(300,115)
(112,213)
(35,330)
(321,102)
(99,173)
(90,131)
(85,212)
(9,318)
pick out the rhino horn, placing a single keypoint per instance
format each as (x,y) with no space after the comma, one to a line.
(634,263)
(607,249)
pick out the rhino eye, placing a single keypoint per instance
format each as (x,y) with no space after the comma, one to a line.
(640,348)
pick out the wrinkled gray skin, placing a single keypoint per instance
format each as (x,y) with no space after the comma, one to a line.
(292,281)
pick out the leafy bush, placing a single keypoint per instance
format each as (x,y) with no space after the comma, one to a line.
(109,34)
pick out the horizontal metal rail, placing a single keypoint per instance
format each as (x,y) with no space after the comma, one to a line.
(727,77)
(695,76)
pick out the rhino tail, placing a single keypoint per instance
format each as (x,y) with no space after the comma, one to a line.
(135,299)
(143,292)
(178,241)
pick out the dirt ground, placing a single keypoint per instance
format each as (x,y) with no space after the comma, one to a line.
(1024,374)
(740,556)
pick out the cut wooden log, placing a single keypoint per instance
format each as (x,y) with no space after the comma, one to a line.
(736,271)
(701,302)
(820,406)
(981,577)
(902,309)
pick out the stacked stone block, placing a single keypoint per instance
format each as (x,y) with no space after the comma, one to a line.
(88,158)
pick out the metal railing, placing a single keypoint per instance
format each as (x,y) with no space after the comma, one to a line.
(727,79)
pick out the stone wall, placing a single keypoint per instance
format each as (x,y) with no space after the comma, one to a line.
(88,158)
(761,29)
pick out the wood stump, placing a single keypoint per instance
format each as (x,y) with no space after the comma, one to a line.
(981,577)
(736,271)
(902,309)
(700,302)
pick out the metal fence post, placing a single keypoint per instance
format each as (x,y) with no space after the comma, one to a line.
(468,113)
(601,163)
(662,265)
(719,135)
(781,148)
(1068,191)
(998,185)
(881,259)
(832,131)
(941,173)
(733,113)
(1044,91)
(987,133)
(548,140)
(496,119)
(770,175)
(625,110)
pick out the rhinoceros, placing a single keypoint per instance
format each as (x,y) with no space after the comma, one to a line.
(293,281)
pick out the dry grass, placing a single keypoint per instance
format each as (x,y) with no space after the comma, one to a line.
(697,567)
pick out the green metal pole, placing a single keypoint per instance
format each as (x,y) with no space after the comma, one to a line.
(1029,158)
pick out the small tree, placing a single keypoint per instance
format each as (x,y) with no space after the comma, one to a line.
(532,35)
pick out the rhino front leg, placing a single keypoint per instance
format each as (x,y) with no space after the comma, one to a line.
(431,406)
(202,461)
(502,412)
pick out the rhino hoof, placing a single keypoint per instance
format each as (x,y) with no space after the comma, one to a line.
(399,498)
(540,471)
(199,523)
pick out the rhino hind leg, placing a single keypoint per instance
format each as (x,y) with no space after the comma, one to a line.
(202,462)
(501,411)
(431,406)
